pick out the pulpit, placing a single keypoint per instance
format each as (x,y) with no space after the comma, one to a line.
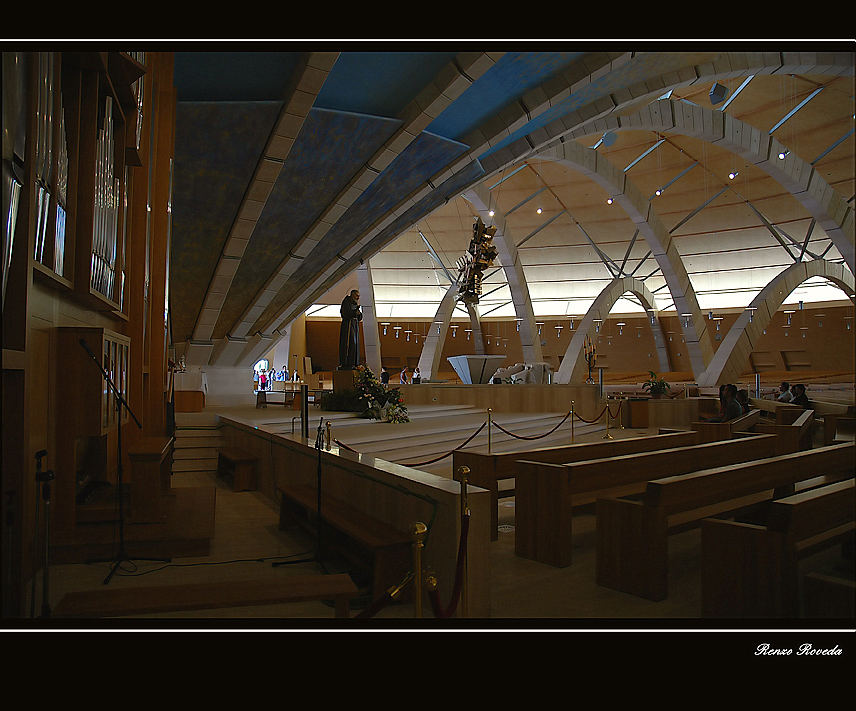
(151,468)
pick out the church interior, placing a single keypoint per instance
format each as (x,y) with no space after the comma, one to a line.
(562,253)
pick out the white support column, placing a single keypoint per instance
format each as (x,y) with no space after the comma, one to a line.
(371,340)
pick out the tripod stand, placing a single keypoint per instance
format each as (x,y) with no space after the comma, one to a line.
(121,555)
(316,557)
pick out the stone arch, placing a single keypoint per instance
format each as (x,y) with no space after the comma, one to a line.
(573,368)
(639,210)
(731,357)
(796,175)
(432,348)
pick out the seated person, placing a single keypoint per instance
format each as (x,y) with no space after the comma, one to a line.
(800,398)
(785,394)
(731,408)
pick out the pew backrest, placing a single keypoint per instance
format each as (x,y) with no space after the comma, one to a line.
(709,486)
(811,512)
(504,465)
(640,467)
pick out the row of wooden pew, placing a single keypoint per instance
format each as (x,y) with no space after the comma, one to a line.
(735,484)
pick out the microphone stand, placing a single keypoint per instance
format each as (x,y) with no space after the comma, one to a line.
(316,558)
(43,477)
(121,555)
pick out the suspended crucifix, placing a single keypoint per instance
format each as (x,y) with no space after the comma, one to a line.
(479,256)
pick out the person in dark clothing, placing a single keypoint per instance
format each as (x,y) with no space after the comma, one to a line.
(384,376)
(731,408)
(800,398)
(349,331)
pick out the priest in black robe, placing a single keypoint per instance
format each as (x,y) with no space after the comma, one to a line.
(349,331)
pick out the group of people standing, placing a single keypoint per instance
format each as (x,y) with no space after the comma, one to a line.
(402,377)
(264,378)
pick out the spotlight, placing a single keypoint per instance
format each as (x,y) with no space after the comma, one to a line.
(717,93)
(609,201)
(733,174)
(783,154)
(490,213)
(658,191)
(538,210)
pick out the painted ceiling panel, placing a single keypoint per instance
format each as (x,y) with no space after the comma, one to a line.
(330,149)
(216,149)
(424,157)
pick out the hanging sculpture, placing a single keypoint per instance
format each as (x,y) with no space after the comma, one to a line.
(479,256)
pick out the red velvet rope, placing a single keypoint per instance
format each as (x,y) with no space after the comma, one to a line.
(591,421)
(443,456)
(620,403)
(500,427)
(434,595)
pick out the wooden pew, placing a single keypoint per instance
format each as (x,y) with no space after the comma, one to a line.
(547,493)
(488,470)
(792,437)
(830,414)
(751,570)
(632,534)
(132,602)
(717,431)
(828,596)
(240,467)
(783,412)
(370,544)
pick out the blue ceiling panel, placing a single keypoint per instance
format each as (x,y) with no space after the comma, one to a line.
(233,76)
(511,77)
(379,83)
(329,151)
(216,149)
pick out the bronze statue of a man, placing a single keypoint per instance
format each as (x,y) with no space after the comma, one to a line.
(349,331)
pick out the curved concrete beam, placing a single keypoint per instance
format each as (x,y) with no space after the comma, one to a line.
(612,179)
(432,348)
(732,355)
(573,368)
(509,259)
(755,146)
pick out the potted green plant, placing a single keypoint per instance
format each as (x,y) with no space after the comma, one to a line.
(655,386)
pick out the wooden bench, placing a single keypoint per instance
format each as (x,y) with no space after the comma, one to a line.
(290,398)
(792,437)
(548,493)
(716,431)
(831,414)
(632,534)
(828,596)
(752,570)
(783,412)
(488,471)
(370,544)
(240,467)
(131,602)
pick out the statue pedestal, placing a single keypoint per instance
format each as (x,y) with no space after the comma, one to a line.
(343,380)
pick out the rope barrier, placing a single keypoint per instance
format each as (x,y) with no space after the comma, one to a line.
(385,598)
(437,459)
(617,412)
(596,419)
(546,434)
(434,595)
(345,446)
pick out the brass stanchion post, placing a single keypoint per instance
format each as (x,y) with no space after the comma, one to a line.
(464,471)
(572,421)
(329,435)
(606,413)
(418,530)
(488,430)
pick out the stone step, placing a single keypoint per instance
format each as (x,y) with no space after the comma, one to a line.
(196,442)
(194,465)
(195,453)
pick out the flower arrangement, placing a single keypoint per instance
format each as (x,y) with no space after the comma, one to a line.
(375,401)
(655,385)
